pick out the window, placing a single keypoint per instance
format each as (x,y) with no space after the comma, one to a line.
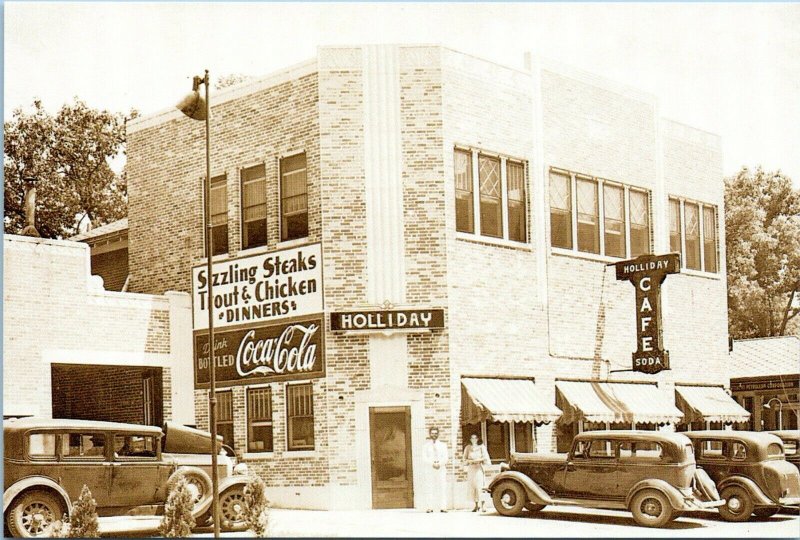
(523,437)
(134,446)
(497,436)
(601,449)
(641,451)
(614,215)
(219,215)
(739,452)
(692,228)
(83,445)
(675,226)
(774,449)
(502,201)
(300,416)
(294,198)
(640,223)
(709,239)
(465,203)
(712,449)
(619,227)
(581,450)
(42,445)
(225,417)
(254,206)
(497,441)
(517,214)
(790,447)
(259,420)
(560,210)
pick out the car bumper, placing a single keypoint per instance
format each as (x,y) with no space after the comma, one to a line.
(789,501)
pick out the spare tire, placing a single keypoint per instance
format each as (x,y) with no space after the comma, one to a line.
(198,481)
(704,487)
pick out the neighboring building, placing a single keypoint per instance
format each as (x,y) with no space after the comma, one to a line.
(765,379)
(109,245)
(74,350)
(483,199)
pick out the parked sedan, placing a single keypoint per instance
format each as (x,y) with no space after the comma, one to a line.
(791,442)
(127,467)
(750,472)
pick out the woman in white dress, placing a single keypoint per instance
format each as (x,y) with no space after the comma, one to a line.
(476,458)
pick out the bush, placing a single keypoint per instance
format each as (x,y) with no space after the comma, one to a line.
(82,519)
(256,506)
(178,521)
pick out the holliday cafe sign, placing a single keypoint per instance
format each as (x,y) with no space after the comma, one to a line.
(388,320)
(289,350)
(261,288)
(647,273)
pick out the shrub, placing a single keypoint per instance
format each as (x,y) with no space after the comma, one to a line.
(178,521)
(83,519)
(256,506)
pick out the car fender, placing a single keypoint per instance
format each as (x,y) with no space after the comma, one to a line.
(535,492)
(34,482)
(675,497)
(224,484)
(752,488)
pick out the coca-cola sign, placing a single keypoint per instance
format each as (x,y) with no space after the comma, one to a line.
(289,350)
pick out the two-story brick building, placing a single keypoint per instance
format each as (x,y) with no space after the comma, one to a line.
(423,239)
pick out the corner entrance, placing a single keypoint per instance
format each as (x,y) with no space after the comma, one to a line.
(390,451)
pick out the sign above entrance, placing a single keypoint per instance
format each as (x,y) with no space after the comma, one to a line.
(387,320)
(266,353)
(647,273)
(260,288)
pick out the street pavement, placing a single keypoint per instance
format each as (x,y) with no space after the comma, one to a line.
(551,522)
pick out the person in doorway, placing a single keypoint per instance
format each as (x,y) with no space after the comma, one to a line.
(435,472)
(476,457)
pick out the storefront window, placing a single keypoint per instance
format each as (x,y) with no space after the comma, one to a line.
(294,198)
(497,441)
(254,207)
(560,210)
(491,200)
(259,420)
(640,222)
(462,163)
(523,437)
(225,417)
(588,222)
(300,416)
(219,214)
(614,211)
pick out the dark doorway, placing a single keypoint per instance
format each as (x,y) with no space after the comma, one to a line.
(390,449)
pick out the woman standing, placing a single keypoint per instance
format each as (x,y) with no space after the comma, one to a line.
(476,457)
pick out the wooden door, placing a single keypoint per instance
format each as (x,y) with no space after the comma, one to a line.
(390,450)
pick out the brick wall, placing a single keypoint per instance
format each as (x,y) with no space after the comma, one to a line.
(112,266)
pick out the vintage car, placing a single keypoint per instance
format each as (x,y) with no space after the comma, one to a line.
(791,442)
(127,467)
(750,472)
(650,473)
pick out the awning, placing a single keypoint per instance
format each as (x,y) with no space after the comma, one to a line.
(614,402)
(710,404)
(504,400)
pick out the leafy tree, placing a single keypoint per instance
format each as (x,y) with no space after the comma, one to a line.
(256,506)
(69,154)
(232,79)
(762,223)
(82,520)
(178,521)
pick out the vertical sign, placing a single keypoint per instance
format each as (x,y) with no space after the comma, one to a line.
(647,273)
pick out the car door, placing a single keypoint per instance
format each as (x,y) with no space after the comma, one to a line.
(592,471)
(136,471)
(84,461)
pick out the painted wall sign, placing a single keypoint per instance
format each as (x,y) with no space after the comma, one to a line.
(647,273)
(387,320)
(784,382)
(289,350)
(261,288)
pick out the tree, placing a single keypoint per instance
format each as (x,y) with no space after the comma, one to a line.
(232,79)
(82,520)
(256,506)
(762,223)
(178,521)
(69,154)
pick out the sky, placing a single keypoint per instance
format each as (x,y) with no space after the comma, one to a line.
(731,69)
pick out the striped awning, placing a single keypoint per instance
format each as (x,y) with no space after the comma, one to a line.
(709,404)
(504,400)
(615,402)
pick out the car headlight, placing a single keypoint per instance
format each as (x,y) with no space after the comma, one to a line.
(240,468)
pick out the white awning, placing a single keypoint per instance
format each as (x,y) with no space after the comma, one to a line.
(504,400)
(615,402)
(710,404)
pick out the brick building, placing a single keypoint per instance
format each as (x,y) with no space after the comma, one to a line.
(461,215)
(72,349)
(109,253)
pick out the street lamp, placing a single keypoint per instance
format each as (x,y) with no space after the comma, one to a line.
(195,107)
(780,410)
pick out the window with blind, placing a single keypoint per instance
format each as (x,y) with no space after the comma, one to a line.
(225,417)
(614,216)
(259,420)
(294,198)
(675,226)
(300,417)
(588,216)
(697,241)
(691,216)
(517,215)
(560,210)
(254,206)
(219,215)
(491,198)
(709,239)
(464,195)
(640,222)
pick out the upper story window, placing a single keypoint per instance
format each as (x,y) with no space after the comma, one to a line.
(591,215)
(693,234)
(254,206)
(501,208)
(294,197)
(219,214)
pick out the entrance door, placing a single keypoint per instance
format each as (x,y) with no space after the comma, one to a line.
(390,450)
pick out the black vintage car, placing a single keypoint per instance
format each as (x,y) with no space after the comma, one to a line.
(750,472)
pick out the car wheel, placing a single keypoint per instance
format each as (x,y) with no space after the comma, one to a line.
(33,513)
(533,507)
(738,504)
(231,509)
(198,481)
(509,498)
(651,508)
(766,511)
